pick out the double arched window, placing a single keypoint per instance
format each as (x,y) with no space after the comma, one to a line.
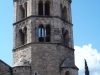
(44,8)
(44,33)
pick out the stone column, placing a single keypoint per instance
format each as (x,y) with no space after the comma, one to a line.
(43,8)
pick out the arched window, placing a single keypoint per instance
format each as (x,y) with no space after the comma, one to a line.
(67,73)
(40,8)
(41,34)
(21,37)
(48,33)
(65,37)
(25,34)
(47,8)
(22,12)
(64,13)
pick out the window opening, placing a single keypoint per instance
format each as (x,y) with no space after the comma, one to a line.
(48,33)
(65,35)
(47,8)
(40,8)
(25,9)
(22,10)
(41,32)
(64,13)
(67,73)
(22,37)
(35,73)
(25,34)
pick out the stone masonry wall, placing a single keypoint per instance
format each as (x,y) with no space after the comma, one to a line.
(32,25)
(4,68)
(21,70)
(47,58)
(71,71)
(33,8)
(22,52)
(44,58)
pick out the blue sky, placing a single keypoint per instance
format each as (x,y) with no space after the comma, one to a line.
(86,24)
(86,21)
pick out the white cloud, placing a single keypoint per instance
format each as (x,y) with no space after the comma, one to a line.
(91,55)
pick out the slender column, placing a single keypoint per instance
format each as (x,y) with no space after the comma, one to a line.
(44,34)
(43,8)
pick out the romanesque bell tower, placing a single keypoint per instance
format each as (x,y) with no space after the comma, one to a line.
(43,38)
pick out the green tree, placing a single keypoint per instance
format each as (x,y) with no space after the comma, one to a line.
(86,68)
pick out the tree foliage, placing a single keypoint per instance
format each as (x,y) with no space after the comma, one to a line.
(86,68)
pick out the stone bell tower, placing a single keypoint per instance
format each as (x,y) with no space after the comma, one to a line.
(43,38)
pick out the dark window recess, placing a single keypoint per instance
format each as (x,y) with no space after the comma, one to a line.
(22,12)
(65,35)
(35,73)
(26,9)
(67,73)
(64,13)
(40,8)
(22,37)
(41,34)
(25,35)
(47,9)
(41,39)
(47,39)
(48,33)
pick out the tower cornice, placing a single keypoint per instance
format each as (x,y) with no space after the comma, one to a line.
(42,17)
(25,45)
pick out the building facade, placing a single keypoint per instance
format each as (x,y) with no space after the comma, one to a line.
(43,38)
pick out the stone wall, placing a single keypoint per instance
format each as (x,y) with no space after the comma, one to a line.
(22,52)
(5,69)
(33,8)
(47,58)
(71,71)
(44,58)
(32,24)
(21,70)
